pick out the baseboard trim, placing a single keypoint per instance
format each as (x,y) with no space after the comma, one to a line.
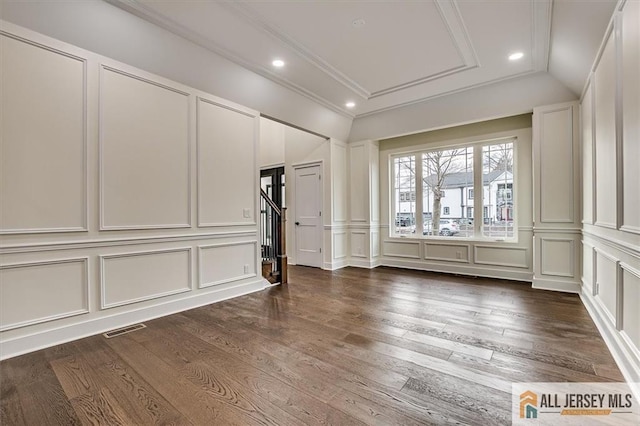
(43,339)
(336,264)
(364,263)
(555,285)
(623,355)
(458,269)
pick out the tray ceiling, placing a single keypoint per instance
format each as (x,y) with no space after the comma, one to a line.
(380,55)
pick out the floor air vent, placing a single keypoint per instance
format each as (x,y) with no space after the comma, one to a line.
(123,330)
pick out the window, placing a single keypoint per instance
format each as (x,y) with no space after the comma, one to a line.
(404,193)
(497,170)
(445,171)
(421,180)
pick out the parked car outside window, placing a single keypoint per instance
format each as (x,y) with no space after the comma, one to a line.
(447,227)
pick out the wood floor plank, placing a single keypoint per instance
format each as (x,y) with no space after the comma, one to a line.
(348,347)
(196,405)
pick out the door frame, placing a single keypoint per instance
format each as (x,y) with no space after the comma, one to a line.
(291,221)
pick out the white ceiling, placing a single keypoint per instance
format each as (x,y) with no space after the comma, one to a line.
(406,51)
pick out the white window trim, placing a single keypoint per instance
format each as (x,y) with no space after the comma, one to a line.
(478,206)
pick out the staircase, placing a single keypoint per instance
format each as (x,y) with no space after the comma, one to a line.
(273,240)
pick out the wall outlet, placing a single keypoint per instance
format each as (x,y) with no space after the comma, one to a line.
(246,269)
(246,213)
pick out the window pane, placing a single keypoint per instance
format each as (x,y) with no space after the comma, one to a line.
(405,194)
(498,193)
(447,172)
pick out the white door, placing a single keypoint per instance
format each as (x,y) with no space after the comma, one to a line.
(308,216)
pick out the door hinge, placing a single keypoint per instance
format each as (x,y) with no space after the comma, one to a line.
(319,177)
(319,213)
(320,249)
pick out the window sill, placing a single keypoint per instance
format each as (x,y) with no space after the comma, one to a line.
(454,239)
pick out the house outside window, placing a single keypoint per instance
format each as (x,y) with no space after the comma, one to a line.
(421,180)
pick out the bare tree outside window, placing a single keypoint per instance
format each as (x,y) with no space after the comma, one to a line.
(437,166)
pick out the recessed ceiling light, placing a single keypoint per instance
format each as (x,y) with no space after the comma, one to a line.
(358,23)
(278,63)
(515,56)
(350,104)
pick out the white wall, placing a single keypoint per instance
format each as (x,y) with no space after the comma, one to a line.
(105,29)
(125,196)
(504,99)
(610,110)
(556,210)
(512,260)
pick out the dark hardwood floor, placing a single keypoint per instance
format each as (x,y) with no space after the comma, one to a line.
(384,346)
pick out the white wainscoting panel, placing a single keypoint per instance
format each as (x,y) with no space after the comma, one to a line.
(447,251)
(556,158)
(340,244)
(137,276)
(514,257)
(226,164)
(404,249)
(607,284)
(375,243)
(226,262)
(605,140)
(588,266)
(588,164)
(631,115)
(43,178)
(557,257)
(359,243)
(358,183)
(631,304)
(339,182)
(374,182)
(31,293)
(144,153)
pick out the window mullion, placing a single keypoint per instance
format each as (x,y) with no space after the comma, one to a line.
(419,199)
(478,191)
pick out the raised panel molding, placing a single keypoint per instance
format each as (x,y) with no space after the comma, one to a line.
(227,131)
(607,285)
(403,249)
(228,253)
(557,198)
(132,140)
(358,183)
(339,244)
(375,243)
(514,257)
(339,183)
(51,290)
(359,244)
(44,119)
(605,141)
(448,252)
(588,265)
(555,164)
(629,117)
(629,301)
(588,156)
(135,280)
(554,253)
